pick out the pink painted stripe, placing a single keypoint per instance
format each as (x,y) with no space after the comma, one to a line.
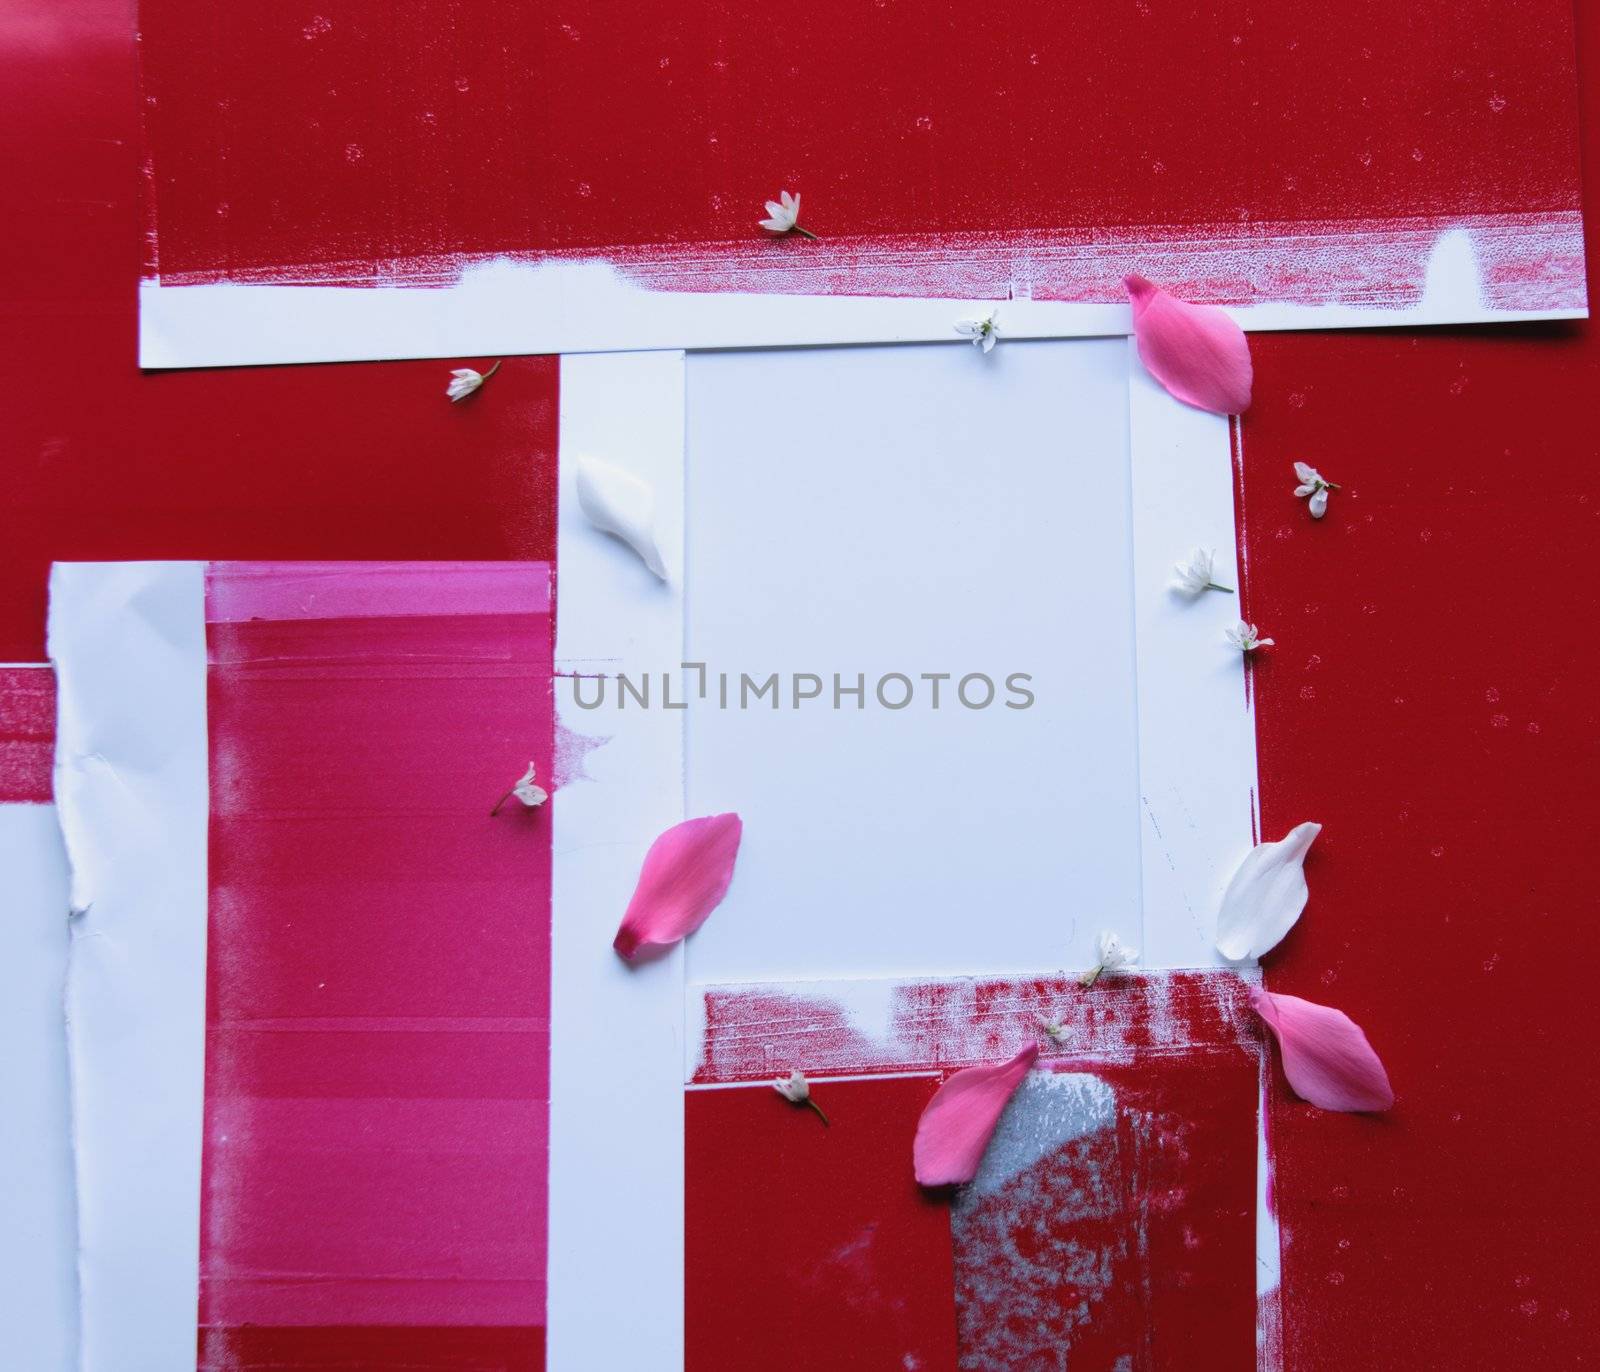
(241,591)
(27,734)
(377,1062)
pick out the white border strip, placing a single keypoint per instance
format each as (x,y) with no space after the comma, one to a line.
(128,642)
(505,307)
(38,1248)
(616,1125)
(1197,742)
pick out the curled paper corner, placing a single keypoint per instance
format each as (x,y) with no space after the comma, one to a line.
(621,504)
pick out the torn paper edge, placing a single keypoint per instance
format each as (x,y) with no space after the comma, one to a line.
(616,1116)
(502,306)
(131,785)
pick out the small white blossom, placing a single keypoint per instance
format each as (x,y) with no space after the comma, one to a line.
(1313,484)
(1115,956)
(464,381)
(1054,1030)
(984,333)
(783,215)
(525,791)
(1194,576)
(1243,636)
(795,1089)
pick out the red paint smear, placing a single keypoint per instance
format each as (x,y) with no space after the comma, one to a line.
(352,142)
(755,1032)
(103,463)
(1143,1233)
(377,1088)
(27,734)
(808,1247)
(1431,701)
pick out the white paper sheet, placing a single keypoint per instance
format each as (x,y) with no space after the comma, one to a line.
(38,1239)
(925,510)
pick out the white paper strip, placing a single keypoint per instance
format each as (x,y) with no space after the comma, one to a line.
(128,642)
(504,307)
(38,1239)
(1197,742)
(616,1122)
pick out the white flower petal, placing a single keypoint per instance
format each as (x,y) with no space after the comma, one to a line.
(1306,473)
(1304,491)
(1319,503)
(1192,577)
(1265,896)
(987,341)
(969,328)
(621,504)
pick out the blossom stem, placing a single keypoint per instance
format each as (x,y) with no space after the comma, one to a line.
(503,799)
(492,370)
(1092,975)
(818,1109)
(806,232)
(1216,586)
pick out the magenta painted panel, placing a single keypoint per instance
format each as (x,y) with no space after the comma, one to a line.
(377,1058)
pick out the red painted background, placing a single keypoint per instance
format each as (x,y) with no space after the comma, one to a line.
(1453,906)
(339,131)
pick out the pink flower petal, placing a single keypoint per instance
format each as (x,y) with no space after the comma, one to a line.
(1326,1057)
(684,877)
(955,1128)
(1195,351)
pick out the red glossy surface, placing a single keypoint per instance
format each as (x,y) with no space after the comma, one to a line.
(808,1247)
(102,462)
(1431,700)
(347,132)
